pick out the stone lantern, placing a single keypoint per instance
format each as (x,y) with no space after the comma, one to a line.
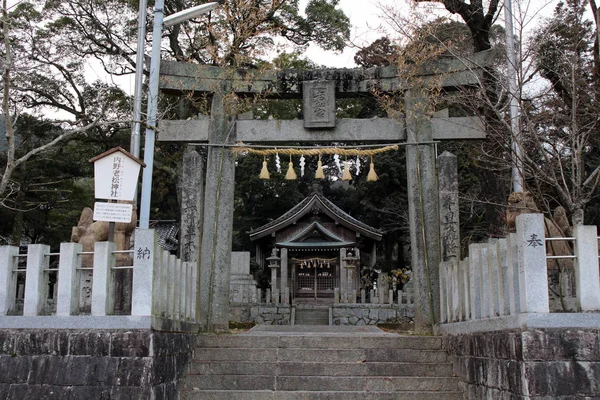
(351,261)
(274,264)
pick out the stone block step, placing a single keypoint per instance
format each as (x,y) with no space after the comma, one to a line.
(311,321)
(319,369)
(321,383)
(320,355)
(333,341)
(308,395)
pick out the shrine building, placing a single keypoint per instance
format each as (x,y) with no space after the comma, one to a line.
(318,248)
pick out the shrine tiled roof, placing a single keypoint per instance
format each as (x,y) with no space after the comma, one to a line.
(167,233)
(308,204)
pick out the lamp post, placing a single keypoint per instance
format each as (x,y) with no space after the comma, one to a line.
(134,146)
(517,168)
(159,23)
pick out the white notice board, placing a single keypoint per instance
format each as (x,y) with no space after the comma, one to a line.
(113,212)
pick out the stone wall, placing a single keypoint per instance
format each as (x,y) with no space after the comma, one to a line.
(532,364)
(372,314)
(92,364)
(268,314)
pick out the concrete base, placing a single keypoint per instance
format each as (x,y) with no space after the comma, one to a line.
(523,321)
(111,322)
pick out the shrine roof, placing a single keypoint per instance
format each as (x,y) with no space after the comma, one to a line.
(307,205)
(326,239)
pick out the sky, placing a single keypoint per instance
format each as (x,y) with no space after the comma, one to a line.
(365,19)
(367,22)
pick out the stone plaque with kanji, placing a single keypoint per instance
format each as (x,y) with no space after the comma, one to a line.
(319,104)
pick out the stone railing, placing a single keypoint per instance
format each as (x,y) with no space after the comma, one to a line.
(503,284)
(164,289)
(381,296)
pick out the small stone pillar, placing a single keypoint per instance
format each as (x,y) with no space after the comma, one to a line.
(533,274)
(8,279)
(68,285)
(36,280)
(274,265)
(586,267)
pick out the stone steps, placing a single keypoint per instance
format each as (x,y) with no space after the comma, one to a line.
(281,368)
(311,316)
(367,364)
(312,395)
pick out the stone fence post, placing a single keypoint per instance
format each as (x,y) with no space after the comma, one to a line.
(68,280)
(444,295)
(475,283)
(512,260)
(103,299)
(8,280)
(533,274)
(587,276)
(145,256)
(36,279)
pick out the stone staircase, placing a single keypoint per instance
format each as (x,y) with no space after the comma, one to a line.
(290,363)
(305,315)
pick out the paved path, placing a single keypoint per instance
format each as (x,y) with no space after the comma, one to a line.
(316,330)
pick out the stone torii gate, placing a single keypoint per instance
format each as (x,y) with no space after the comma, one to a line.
(207,217)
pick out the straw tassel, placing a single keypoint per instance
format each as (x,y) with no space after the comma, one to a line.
(320,174)
(346,176)
(291,174)
(372,176)
(264,173)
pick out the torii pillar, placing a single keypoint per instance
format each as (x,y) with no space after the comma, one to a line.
(215,254)
(422,209)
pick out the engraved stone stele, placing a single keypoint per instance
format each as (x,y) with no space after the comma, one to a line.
(449,213)
(319,104)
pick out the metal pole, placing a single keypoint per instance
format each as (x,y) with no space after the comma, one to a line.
(151,118)
(517,168)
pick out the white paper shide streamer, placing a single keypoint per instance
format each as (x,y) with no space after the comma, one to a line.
(302,164)
(278,163)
